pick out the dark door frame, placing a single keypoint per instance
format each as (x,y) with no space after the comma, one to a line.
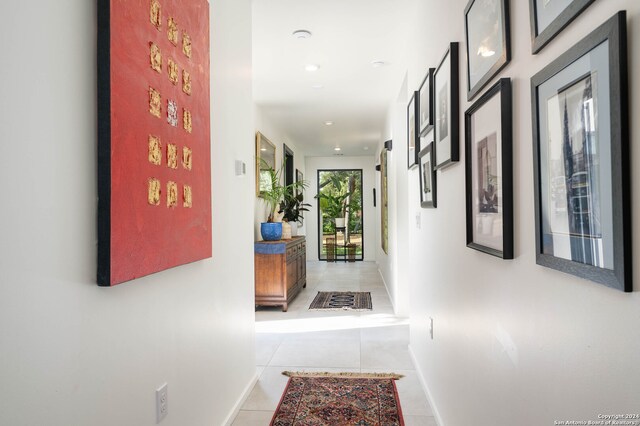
(319,219)
(287,160)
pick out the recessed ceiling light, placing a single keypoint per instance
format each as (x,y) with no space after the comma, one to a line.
(328,123)
(312,67)
(317,86)
(302,34)
(366,148)
(378,64)
(337,148)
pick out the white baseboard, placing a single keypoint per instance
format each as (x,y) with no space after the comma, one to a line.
(243,397)
(386,287)
(425,387)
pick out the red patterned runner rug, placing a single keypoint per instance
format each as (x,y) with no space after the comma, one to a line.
(337,399)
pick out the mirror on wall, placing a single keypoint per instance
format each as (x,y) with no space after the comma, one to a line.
(265,160)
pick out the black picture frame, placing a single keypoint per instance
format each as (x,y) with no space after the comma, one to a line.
(488,42)
(428,176)
(300,178)
(413,123)
(426,103)
(561,19)
(489,172)
(594,182)
(446,92)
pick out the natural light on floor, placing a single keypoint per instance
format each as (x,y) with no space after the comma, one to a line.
(308,325)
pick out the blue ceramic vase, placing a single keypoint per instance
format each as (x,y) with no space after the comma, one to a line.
(271,231)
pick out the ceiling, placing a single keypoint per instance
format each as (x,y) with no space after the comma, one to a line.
(347,36)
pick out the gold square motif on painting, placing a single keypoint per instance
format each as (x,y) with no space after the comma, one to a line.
(172,156)
(154,102)
(186,82)
(153,192)
(186,120)
(186,44)
(172,70)
(155,14)
(186,158)
(155,150)
(172,194)
(156,58)
(187,200)
(172,31)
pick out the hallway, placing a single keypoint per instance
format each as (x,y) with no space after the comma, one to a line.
(304,340)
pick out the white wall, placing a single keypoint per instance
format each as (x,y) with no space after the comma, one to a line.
(367,164)
(278,137)
(515,343)
(394,266)
(72,353)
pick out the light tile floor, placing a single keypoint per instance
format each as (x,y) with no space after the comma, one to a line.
(304,340)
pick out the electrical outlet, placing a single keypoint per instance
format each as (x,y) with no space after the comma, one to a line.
(162,403)
(431,327)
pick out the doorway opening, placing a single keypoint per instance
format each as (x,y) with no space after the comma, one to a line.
(288,165)
(340,215)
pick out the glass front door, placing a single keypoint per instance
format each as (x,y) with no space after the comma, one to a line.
(340,219)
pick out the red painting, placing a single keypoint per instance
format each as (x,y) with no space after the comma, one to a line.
(154,164)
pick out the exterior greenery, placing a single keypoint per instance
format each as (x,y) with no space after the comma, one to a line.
(340,196)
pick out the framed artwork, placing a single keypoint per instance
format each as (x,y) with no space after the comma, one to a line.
(428,175)
(489,171)
(300,178)
(384,202)
(447,109)
(487,32)
(581,159)
(550,17)
(265,160)
(154,154)
(426,103)
(413,110)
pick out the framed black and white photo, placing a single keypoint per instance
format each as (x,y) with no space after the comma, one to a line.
(300,178)
(489,171)
(413,144)
(428,175)
(447,109)
(581,159)
(426,103)
(550,17)
(487,32)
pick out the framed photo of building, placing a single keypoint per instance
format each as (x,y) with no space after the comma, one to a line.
(488,41)
(581,159)
(426,103)
(428,175)
(489,172)
(447,108)
(413,138)
(154,138)
(550,17)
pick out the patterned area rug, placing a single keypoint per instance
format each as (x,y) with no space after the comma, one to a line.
(315,399)
(342,300)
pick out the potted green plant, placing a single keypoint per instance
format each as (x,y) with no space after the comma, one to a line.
(271,230)
(292,207)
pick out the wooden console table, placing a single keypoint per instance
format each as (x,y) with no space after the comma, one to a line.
(281,271)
